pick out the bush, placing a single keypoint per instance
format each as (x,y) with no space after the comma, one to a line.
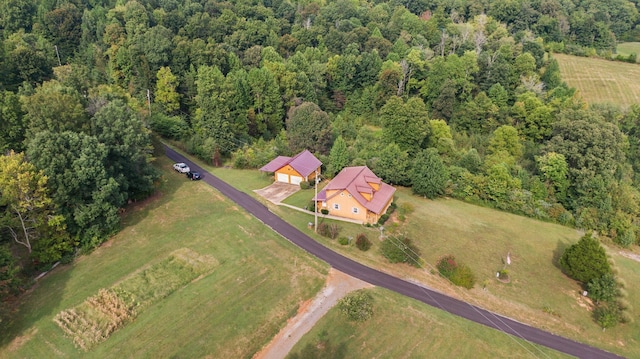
(463,277)
(357,306)
(362,242)
(400,250)
(323,229)
(606,315)
(447,266)
(585,260)
(311,206)
(343,240)
(305,185)
(328,230)
(324,211)
(172,127)
(383,219)
(603,289)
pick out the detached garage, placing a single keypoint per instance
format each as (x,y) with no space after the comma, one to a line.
(293,170)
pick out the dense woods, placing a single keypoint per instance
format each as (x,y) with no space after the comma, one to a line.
(457,98)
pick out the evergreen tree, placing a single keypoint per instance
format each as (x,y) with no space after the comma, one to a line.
(429,175)
(338,157)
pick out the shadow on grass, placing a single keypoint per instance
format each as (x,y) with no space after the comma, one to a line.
(557,253)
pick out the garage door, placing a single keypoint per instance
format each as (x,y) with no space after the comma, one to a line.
(296,180)
(282,177)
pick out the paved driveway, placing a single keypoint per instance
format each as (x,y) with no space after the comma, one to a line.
(278,191)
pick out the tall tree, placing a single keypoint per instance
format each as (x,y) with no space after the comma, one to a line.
(429,176)
(405,124)
(393,165)
(308,127)
(29,212)
(12,123)
(338,157)
(55,108)
(166,90)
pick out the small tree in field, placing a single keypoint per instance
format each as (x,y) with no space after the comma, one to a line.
(362,242)
(357,306)
(585,260)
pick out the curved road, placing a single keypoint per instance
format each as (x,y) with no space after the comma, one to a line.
(375,277)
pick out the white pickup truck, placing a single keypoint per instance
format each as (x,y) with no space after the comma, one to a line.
(181,167)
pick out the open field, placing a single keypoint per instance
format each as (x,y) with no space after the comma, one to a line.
(403,328)
(628,48)
(538,294)
(601,81)
(248,282)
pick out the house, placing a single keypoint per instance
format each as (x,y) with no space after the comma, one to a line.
(293,170)
(356,193)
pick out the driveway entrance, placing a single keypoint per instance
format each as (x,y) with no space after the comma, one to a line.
(278,191)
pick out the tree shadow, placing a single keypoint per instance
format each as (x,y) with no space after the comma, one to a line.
(557,253)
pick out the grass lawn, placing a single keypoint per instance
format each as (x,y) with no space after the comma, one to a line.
(628,48)
(601,81)
(250,282)
(403,328)
(538,294)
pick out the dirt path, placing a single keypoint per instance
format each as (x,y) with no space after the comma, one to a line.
(337,286)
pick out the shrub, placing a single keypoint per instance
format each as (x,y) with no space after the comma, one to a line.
(305,185)
(324,211)
(323,229)
(172,127)
(585,260)
(606,316)
(463,276)
(383,219)
(311,206)
(362,242)
(334,230)
(357,306)
(400,250)
(447,265)
(343,240)
(602,289)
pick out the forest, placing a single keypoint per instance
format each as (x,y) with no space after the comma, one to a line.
(453,98)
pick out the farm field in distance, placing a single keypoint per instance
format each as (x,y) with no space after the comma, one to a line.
(601,81)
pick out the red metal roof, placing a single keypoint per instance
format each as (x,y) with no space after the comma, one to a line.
(304,163)
(356,180)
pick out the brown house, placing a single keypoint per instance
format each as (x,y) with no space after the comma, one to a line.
(356,193)
(293,170)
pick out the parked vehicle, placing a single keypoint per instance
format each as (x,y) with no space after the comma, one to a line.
(181,167)
(193,176)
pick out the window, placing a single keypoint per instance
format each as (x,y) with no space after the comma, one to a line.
(354,210)
(341,194)
(336,206)
(349,195)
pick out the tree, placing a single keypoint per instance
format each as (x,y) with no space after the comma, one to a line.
(553,167)
(55,108)
(393,165)
(129,149)
(338,157)
(585,260)
(505,138)
(80,186)
(12,123)
(308,127)
(429,176)
(166,90)
(266,101)
(29,211)
(405,124)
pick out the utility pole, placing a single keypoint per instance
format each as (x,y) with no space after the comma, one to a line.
(57,54)
(315,204)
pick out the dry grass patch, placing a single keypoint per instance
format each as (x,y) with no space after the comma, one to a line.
(95,319)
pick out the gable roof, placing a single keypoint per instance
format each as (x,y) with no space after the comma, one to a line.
(304,163)
(356,180)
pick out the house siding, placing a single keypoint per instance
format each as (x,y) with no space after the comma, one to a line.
(346,204)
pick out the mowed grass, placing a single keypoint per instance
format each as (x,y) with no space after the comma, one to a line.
(628,48)
(539,293)
(404,328)
(601,81)
(231,311)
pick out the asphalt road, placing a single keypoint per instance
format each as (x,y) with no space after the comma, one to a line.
(375,277)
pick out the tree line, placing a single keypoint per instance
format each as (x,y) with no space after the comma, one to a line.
(461,99)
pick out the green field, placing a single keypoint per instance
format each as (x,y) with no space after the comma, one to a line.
(601,81)
(628,48)
(241,283)
(403,328)
(538,294)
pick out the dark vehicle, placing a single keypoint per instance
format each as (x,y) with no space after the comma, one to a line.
(194,176)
